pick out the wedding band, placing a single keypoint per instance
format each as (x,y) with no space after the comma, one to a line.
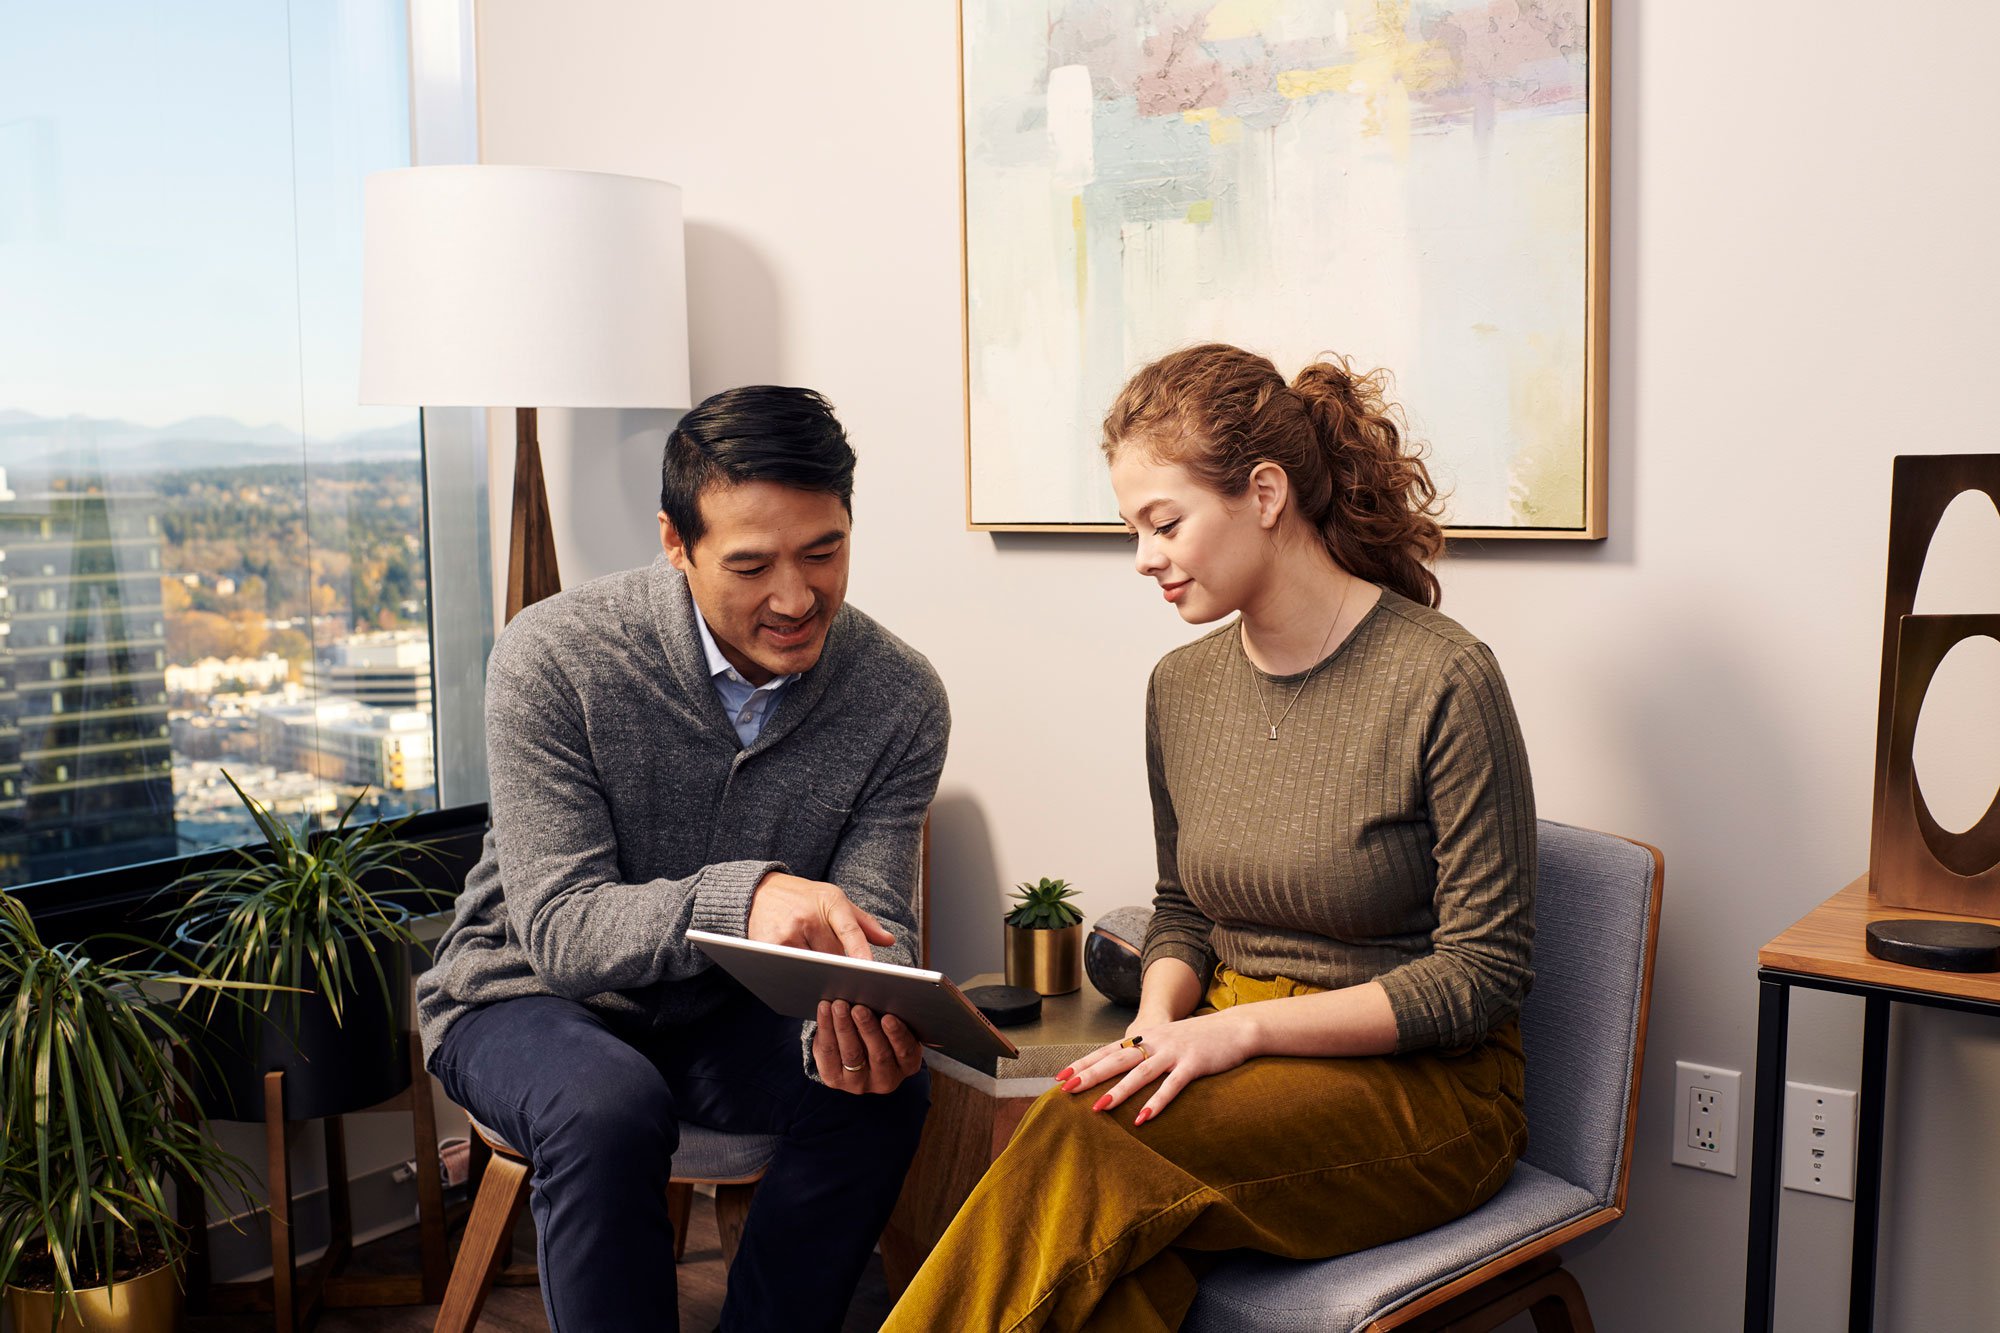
(854,1069)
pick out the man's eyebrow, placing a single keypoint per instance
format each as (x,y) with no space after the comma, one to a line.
(766,557)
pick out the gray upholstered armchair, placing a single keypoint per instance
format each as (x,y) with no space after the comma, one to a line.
(1597,914)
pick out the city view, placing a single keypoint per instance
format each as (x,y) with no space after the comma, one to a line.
(178,601)
(211,554)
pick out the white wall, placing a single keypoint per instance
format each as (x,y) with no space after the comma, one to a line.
(1803,270)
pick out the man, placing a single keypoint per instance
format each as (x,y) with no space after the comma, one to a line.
(715,741)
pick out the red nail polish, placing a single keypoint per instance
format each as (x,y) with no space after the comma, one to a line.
(1102,1102)
(1066,1075)
(1074,1085)
(1142,1117)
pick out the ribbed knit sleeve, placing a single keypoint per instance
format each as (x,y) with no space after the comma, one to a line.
(1482,815)
(1178,929)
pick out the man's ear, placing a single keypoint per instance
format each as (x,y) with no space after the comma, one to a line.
(679,554)
(1270,491)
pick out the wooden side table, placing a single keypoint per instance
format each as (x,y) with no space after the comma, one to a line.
(975,1109)
(1827,950)
(294,1301)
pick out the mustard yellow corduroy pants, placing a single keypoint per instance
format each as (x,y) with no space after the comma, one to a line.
(1085,1223)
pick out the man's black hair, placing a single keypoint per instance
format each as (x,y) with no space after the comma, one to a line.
(760,432)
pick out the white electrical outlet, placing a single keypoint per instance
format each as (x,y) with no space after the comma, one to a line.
(1705,1106)
(1819,1140)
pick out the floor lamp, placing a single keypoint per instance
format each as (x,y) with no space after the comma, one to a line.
(523,287)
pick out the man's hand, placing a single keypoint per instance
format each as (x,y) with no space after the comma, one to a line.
(858,1053)
(807,914)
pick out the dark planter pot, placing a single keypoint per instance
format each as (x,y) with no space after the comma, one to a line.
(330,1068)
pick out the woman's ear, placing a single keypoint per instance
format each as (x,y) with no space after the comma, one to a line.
(1270,492)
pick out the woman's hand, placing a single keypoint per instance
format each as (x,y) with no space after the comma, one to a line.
(1169,1053)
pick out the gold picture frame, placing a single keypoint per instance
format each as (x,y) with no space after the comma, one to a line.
(1590,520)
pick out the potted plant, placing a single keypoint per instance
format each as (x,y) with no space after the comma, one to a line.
(307,917)
(92,1127)
(1045,938)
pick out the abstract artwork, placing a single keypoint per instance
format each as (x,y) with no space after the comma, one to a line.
(1415,184)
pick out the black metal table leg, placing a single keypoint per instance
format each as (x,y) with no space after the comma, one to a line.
(1868,1164)
(1774,1000)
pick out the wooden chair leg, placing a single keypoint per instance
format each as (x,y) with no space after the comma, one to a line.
(278,1186)
(480,1157)
(339,1199)
(433,1263)
(190,1206)
(732,1206)
(680,1202)
(501,1194)
(1560,1307)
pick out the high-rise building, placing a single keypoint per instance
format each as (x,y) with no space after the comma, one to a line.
(386,670)
(13,846)
(343,740)
(85,655)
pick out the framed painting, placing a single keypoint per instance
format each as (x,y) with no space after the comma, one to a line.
(1419,185)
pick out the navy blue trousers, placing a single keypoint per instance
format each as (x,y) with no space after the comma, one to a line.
(597,1107)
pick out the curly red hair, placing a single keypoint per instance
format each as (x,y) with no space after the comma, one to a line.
(1219,411)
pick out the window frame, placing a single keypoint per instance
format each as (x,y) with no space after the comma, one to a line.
(127,898)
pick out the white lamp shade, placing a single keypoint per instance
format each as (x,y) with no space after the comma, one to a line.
(492,286)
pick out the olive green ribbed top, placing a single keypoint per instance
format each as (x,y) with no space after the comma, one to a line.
(1388,834)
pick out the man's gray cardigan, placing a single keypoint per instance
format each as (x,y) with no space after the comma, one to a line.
(625,810)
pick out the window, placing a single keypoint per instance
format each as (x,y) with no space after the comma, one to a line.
(210,540)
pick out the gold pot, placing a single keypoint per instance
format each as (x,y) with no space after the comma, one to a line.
(148,1303)
(1046,961)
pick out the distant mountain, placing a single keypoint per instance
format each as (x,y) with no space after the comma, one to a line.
(381,442)
(29,443)
(220,429)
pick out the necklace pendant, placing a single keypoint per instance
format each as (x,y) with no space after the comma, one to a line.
(1273,736)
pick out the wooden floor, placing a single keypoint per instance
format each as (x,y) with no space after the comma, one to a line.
(519,1309)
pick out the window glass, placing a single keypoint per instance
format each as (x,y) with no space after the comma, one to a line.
(211,556)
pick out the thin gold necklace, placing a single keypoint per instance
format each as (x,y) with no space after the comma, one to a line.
(1319,660)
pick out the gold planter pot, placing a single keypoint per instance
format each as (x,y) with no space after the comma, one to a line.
(1049,962)
(149,1303)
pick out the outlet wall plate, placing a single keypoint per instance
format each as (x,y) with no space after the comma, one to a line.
(1707,1101)
(1818,1150)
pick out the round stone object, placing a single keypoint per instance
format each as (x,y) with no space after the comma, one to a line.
(1942,946)
(1112,955)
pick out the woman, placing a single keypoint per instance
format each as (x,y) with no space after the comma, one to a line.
(1326,1055)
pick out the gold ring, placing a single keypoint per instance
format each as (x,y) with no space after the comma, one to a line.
(1131,1042)
(854,1069)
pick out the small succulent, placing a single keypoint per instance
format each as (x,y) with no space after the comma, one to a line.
(1044,906)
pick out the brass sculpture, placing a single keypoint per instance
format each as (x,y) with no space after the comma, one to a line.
(1913,861)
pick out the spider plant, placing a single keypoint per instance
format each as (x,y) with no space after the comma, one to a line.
(294,912)
(91,1121)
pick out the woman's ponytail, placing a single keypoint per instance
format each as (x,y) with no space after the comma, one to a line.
(1381,518)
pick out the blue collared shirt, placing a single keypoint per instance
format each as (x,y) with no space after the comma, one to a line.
(747,705)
